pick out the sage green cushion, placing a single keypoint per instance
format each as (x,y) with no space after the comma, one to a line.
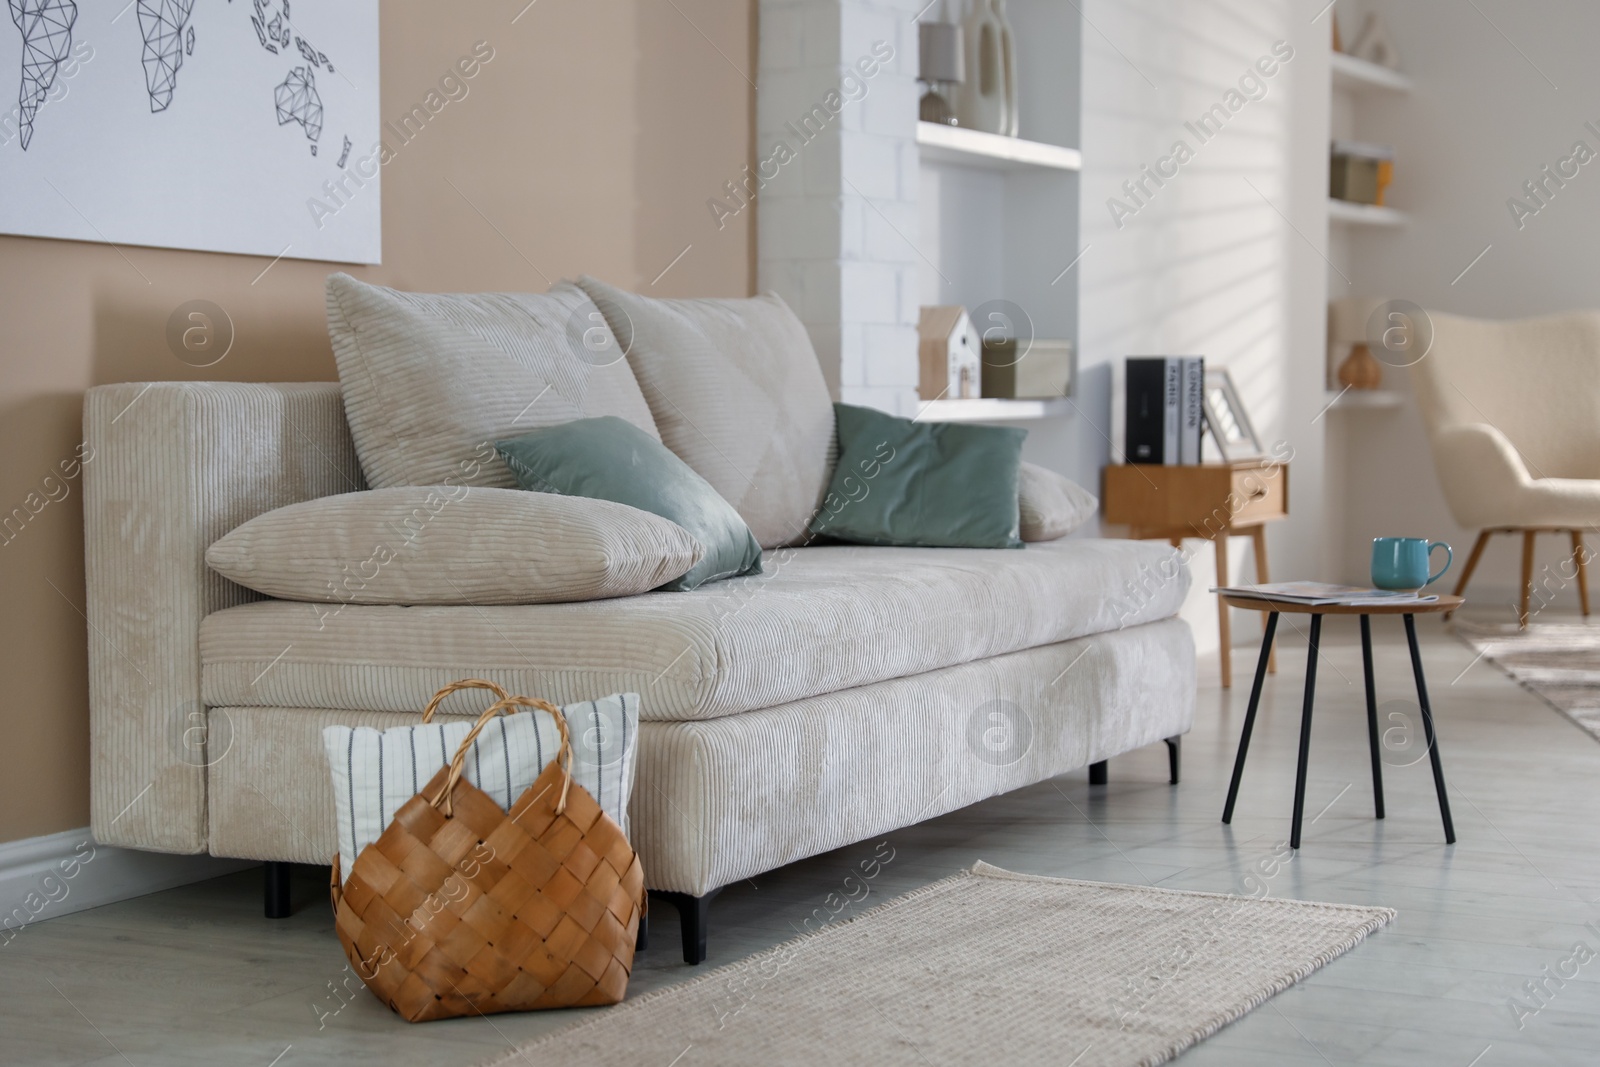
(611,459)
(935,484)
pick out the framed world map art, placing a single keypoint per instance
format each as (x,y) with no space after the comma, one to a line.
(248,126)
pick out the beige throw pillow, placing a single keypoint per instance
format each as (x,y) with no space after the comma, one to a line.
(454,545)
(737,393)
(1051,505)
(431,381)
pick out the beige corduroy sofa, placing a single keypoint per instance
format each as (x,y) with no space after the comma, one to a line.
(845,692)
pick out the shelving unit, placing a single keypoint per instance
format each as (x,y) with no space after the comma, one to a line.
(1357,75)
(973,148)
(1358,85)
(998,216)
(990,410)
(1365,398)
(1343,211)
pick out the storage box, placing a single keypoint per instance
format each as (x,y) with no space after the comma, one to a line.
(1043,370)
(1360,172)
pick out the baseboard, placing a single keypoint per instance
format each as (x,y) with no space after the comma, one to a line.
(47,877)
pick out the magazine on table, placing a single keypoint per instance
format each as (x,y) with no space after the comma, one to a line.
(1315,593)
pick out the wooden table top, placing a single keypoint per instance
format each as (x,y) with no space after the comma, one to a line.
(1446,602)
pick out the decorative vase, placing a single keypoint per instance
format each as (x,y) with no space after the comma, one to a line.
(1375,44)
(1008,58)
(1360,369)
(981,98)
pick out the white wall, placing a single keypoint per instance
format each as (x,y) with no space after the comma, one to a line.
(1212,264)
(1482,120)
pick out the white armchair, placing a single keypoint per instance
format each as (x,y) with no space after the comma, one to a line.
(1512,411)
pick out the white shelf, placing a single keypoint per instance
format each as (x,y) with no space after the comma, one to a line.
(1364,214)
(953,144)
(990,409)
(1366,398)
(1358,76)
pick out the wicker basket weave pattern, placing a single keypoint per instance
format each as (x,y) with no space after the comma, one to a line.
(461,908)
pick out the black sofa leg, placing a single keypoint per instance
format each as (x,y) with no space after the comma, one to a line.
(1097,773)
(277,882)
(642,942)
(1174,755)
(693,913)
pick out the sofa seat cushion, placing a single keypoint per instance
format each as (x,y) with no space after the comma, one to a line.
(818,621)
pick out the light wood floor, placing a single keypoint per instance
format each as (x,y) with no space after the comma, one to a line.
(197,976)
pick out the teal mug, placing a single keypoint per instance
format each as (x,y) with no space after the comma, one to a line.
(1401,563)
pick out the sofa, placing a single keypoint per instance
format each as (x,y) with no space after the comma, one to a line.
(842,693)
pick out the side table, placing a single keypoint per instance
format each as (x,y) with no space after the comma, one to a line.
(1409,610)
(1212,501)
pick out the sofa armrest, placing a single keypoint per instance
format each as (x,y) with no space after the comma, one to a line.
(170,467)
(1481,473)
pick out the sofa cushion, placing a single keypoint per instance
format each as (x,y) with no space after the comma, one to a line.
(819,620)
(1051,505)
(609,459)
(453,545)
(935,484)
(432,380)
(737,392)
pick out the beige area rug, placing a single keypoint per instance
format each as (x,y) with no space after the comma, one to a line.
(1557,661)
(986,967)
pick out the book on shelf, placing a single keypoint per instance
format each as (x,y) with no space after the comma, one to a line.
(1163,410)
(1316,593)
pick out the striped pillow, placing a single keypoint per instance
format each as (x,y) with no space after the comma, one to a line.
(376,771)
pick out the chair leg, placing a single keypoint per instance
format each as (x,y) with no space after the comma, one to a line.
(1472,564)
(1527,578)
(693,913)
(1578,561)
(1098,773)
(1174,756)
(277,890)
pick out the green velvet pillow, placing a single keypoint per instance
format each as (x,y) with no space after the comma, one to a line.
(611,459)
(934,484)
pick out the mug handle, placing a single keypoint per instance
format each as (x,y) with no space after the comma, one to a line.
(1449,558)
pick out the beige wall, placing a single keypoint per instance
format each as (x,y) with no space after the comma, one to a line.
(591,141)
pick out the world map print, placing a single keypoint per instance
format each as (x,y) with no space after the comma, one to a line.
(221,125)
(47,27)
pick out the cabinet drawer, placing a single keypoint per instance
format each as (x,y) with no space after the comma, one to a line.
(1259,493)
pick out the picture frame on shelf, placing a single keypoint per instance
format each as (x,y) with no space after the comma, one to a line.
(1227,421)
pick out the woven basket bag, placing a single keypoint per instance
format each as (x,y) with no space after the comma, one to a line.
(460,908)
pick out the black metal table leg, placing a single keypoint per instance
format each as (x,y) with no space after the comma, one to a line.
(1305,733)
(1250,716)
(1372,717)
(1427,729)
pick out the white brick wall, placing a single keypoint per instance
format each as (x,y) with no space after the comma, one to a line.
(838,228)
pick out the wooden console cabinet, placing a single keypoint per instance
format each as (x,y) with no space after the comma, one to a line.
(1206,500)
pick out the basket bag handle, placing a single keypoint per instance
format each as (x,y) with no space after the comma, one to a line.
(442,800)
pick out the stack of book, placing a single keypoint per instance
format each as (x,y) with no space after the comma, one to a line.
(1165,409)
(1315,593)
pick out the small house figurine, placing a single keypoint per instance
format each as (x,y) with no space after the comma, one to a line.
(951,354)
